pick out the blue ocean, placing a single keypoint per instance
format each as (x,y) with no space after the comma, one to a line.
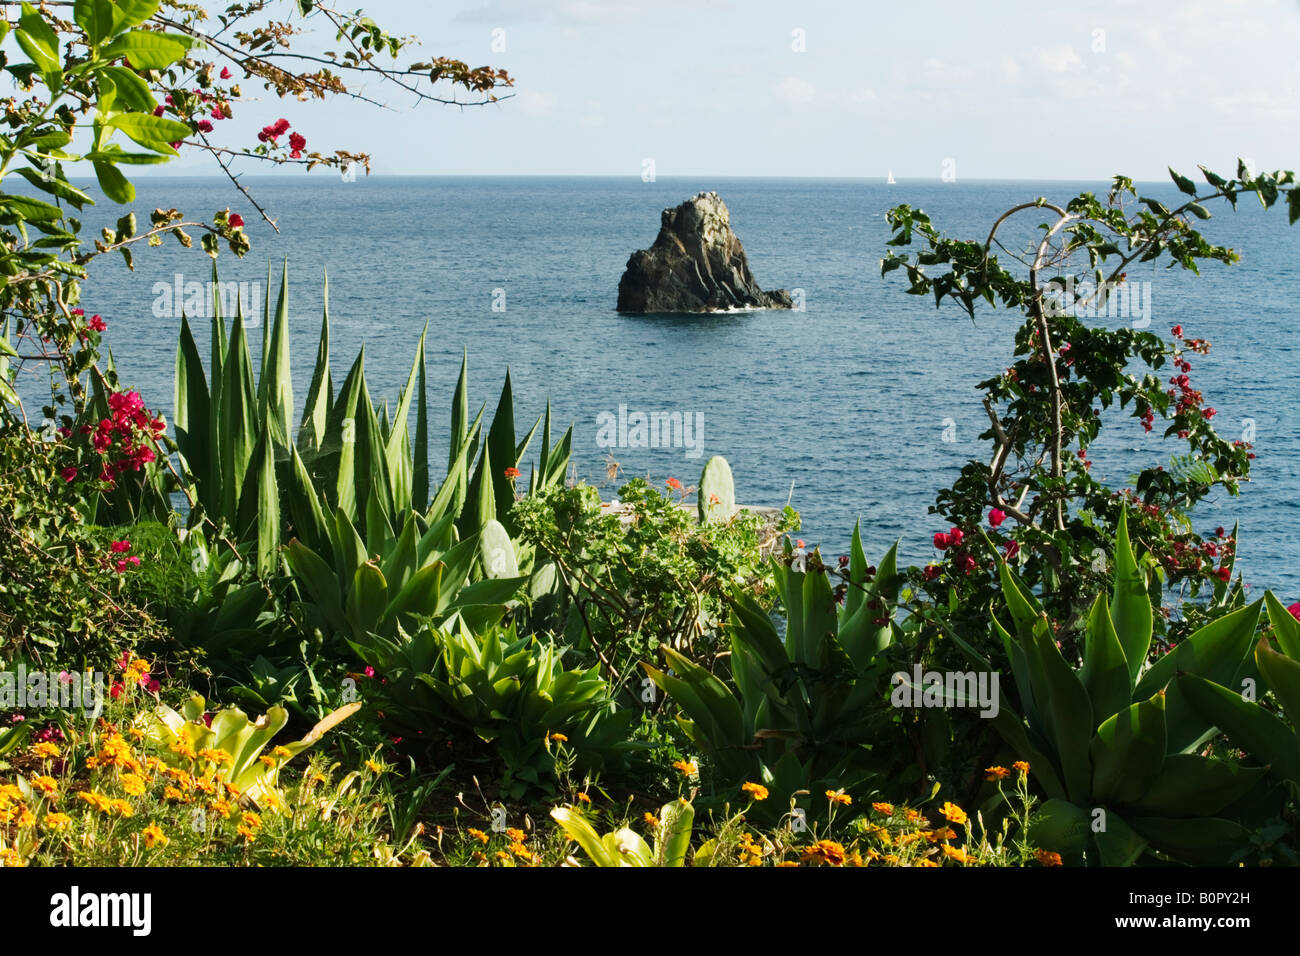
(858,408)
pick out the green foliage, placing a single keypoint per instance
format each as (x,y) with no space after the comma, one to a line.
(1231,704)
(644,573)
(183,737)
(1116,745)
(804,706)
(1071,368)
(625,847)
(511,692)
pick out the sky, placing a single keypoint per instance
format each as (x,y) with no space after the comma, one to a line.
(999,89)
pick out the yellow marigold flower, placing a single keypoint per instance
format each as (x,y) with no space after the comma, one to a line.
(651,820)
(248,835)
(521,851)
(1020,765)
(515,836)
(133,784)
(270,761)
(1047,858)
(686,767)
(953,813)
(154,765)
(115,752)
(56,821)
(171,793)
(252,819)
(222,807)
(206,787)
(26,819)
(10,791)
(787,863)
(45,750)
(925,861)
(374,767)
(886,809)
(154,836)
(503,856)
(45,784)
(137,733)
(10,857)
(824,851)
(183,779)
(479,835)
(558,738)
(839,796)
(479,857)
(232,789)
(182,747)
(943,833)
(914,816)
(583,798)
(755,790)
(122,808)
(956,853)
(216,756)
(97,801)
(996,773)
(282,752)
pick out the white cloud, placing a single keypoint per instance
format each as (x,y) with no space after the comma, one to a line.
(1059,59)
(796,91)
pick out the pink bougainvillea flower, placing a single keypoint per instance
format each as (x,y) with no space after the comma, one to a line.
(236,220)
(116,690)
(159,110)
(1012,549)
(297,143)
(996,517)
(955,537)
(1223,574)
(205,126)
(153,686)
(120,547)
(68,473)
(1177,330)
(78,311)
(1295,610)
(942,541)
(966,563)
(225,72)
(370,671)
(96,324)
(513,473)
(932,571)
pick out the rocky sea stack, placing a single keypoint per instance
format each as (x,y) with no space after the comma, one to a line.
(695,265)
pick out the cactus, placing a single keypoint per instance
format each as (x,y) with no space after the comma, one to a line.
(498,551)
(717,494)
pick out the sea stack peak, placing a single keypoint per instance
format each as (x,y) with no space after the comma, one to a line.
(695,265)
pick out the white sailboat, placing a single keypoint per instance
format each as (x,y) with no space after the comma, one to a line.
(891,180)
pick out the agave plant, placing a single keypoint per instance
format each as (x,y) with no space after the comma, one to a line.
(805,703)
(229,749)
(1116,744)
(512,692)
(1265,736)
(625,847)
(251,471)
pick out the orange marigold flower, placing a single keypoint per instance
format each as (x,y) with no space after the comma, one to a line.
(479,835)
(839,796)
(953,813)
(154,836)
(996,773)
(687,767)
(45,784)
(45,750)
(755,790)
(1047,858)
(583,798)
(1020,765)
(884,808)
(824,851)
